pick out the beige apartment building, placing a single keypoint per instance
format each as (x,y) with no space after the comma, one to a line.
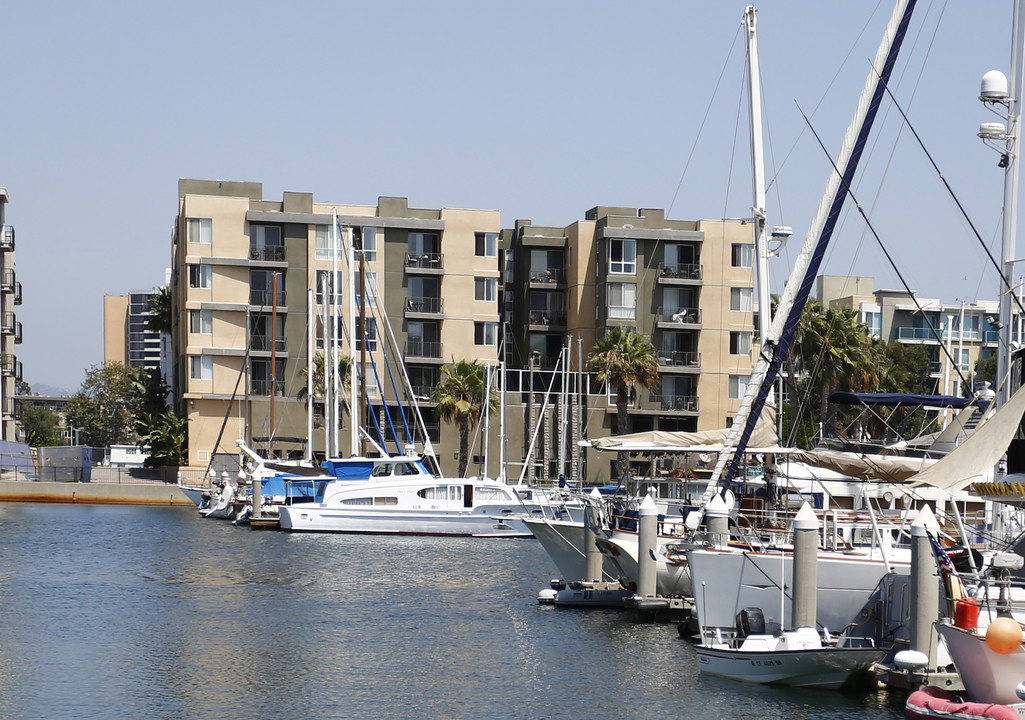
(249,287)
(10,329)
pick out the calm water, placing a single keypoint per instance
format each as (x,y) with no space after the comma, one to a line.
(154,612)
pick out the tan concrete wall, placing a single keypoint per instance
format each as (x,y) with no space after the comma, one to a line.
(115,322)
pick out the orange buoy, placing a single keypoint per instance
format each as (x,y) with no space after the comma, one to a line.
(1004,635)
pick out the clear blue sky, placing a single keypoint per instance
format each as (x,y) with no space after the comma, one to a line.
(538,109)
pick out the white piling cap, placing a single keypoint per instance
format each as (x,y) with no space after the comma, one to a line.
(805,518)
(594,494)
(717,507)
(925,522)
(648,507)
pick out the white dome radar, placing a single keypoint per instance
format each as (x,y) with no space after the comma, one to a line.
(994,87)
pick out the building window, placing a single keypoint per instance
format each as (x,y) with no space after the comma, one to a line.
(370,281)
(370,335)
(200,230)
(261,287)
(485,289)
(323,286)
(738,386)
(740,343)
(201,322)
(424,243)
(622,256)
(202,367)
(485,244)
(742,299)
(261,382)
(365,239)
(743,255)
(485,333)
(201,276)
(322,244)
(622,300)
(266,243)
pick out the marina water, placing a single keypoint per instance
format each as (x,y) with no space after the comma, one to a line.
(157,613)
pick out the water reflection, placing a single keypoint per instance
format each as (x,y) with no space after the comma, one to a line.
(156,612)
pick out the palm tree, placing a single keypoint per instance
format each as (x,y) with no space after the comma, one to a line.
(318,376)
(624,358)
(460,398)
(162,316)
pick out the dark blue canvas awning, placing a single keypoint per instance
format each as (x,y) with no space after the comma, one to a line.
(937,401)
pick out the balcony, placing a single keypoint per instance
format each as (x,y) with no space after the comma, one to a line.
(547,276)
(17,293)
(676,403)
(265,298)
(423,350)
(10,366)
(265,344)
(543,320)
(9,323)
(262,386)
(271,253)
(680,273)
(7,237)
(423,393)
(8,282)
(543,362)
(425,263)
(424,307)
(670,360)
(675,317)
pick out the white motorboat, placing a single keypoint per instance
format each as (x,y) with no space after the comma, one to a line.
(796,658)
(401,497)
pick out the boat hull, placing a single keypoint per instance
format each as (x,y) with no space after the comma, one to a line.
(486,522)
(826,668)
(988,676)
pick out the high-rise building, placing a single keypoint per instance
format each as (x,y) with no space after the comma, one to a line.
(252,282)
(10,328)
(127,337)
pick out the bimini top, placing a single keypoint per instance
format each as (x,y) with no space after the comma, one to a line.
(937,401)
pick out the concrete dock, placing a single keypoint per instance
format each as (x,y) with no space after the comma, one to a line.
(97,493)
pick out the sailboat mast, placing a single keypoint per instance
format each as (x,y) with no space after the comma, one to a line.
(310,345)
(798,288)
(758,175)
(1010,224)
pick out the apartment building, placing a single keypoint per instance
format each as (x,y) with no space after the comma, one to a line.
(10,328)
(956,335)
(252,281)
(127,337)
(688,286)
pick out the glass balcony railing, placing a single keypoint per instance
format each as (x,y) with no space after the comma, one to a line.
(679,358)
(431,305)
(679,271)
(423,349)
(270,253)
(676,314)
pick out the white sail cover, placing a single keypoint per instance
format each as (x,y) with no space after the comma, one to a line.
(975,457)
(763,437)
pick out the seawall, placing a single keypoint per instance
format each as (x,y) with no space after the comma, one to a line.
(94,493)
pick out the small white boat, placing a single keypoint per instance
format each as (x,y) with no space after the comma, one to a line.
(796,658)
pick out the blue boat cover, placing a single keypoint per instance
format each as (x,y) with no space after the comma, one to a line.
(939,401)
(349,469)
(289,486)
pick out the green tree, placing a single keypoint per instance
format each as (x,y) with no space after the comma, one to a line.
(344,371)
(104,409)
(623,359)
(167,438)
(40,425)
(460,398)
(160,305)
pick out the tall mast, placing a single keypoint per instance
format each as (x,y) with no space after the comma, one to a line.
(758,175)
(1010,164)
(354,415)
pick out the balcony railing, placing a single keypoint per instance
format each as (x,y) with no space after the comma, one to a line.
(423,349)
(547,319)
(8,282)
(679,358)
(425,261)
(548,275)
(17,293)
(679,315)
(8,323)
(9,365)
(7,237)
(545,362)
(682,403)
(266,297)
(679,271)
(264,342)
(17,333)
(271,253)
(263,387)
(423,392)
(430,305)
